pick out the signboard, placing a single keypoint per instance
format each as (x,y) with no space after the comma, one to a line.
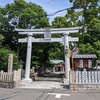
(89,63)
(81,63)
(47,33)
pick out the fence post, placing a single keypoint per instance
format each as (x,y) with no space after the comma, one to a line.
(19,74)
(96,76)
(89,74)
(1,75)
(77,77)
(80,76)
(92,76)
(14,76)
(70,77)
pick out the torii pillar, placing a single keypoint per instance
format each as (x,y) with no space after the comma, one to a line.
(67,63)
(28,59)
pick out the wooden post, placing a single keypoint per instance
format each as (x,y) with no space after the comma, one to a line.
(73,74)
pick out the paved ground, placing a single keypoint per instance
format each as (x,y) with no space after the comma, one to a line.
(43,83)
(48,94)
(47,88)
(47,82)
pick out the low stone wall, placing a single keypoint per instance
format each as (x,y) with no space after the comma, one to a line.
(7,84)
(10,80)
(84,86)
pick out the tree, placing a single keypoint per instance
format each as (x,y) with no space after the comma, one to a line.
(60,22)
(86,48)
(4,53)
(97,48)
(90,8)
(84,3)
(26,15)
(88,17)
(90,22)
(0,40)
(57,53)
(21,14)
(94,25)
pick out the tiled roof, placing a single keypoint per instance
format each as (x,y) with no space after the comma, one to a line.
(85,56)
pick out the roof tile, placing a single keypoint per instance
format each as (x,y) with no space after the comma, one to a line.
(85,56)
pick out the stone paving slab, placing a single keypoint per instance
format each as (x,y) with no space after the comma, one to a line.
(43,83)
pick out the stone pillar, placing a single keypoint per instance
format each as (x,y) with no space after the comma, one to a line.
(10,63)
(67,62)
(28,59)
(54,69)
(33,69)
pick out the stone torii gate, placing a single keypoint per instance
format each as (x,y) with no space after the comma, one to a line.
(47,38)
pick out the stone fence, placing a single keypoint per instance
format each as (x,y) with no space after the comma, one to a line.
(85,79)
(10,79)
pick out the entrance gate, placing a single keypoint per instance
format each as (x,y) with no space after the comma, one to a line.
(47,38)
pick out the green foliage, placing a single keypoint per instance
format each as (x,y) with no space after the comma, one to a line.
(4,54)
(41,54)
(71,19)
(94,24)
(97,48)
(0,40)
(86,48)
(60,22)
(83,3)
(90,20)
(21,14)
(93,33)
(57,53)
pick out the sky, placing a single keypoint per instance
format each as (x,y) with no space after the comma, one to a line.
(50,6)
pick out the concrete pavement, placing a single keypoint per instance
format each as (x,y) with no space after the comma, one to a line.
(48,81)
(43,83)
(48,94)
